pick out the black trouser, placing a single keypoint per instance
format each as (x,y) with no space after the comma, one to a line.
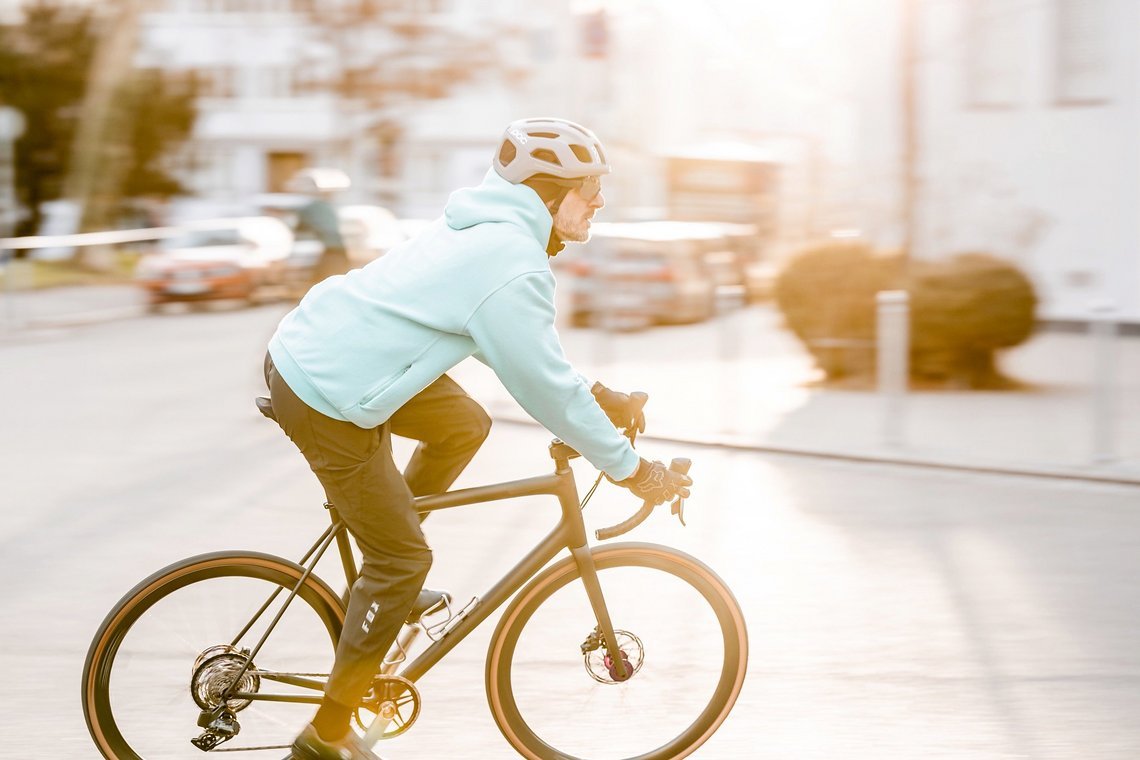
(360,478)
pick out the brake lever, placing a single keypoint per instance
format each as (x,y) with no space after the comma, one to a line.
(681,465)
(678,508)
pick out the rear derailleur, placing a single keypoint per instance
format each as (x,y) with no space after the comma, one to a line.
(221,725)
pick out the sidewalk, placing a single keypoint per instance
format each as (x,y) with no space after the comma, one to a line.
(23,310)
(745,382)
(751,385)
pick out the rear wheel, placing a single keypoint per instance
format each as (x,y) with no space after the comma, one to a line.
(552,684)
(173,645)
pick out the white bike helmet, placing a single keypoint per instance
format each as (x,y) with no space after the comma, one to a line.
(554,147)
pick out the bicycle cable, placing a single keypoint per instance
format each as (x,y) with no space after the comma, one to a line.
(632,434)
(590,493)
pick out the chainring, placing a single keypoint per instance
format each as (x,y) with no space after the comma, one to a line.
(392,699)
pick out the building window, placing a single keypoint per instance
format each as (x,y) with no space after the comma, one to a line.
(218,82)
(994,43)
(282,167)
(1084,51)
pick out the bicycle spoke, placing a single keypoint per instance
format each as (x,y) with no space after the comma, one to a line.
(671,689)
(678,664)
(152,682)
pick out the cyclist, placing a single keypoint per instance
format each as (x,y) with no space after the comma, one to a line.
(364,354)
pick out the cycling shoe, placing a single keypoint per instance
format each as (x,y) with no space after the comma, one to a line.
(310,746)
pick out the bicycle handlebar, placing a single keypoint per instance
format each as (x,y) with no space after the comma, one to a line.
(677,465)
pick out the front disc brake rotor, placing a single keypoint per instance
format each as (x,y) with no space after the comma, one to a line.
(601,666)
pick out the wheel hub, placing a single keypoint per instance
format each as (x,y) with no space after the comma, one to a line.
(601,665)
(215,670)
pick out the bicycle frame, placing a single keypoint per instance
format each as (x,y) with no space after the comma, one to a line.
(569,533)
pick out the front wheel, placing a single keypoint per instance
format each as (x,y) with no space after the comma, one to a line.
(551,683)
(170,649)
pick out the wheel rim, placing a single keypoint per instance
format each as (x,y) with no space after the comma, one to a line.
(140,698)
(695,652)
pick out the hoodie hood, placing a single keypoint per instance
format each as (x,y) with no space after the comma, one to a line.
(496,200)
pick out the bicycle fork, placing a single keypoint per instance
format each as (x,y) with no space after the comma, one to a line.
(589,574)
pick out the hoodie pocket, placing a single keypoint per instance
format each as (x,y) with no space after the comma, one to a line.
(375,397)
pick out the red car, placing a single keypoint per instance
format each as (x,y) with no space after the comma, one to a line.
(241,258)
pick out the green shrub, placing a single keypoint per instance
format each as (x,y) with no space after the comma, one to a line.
(962,311)
(827,296)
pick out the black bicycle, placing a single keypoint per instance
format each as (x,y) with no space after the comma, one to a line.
(629,650)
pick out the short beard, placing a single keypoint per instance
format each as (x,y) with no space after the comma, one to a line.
(573,237)
(570,236)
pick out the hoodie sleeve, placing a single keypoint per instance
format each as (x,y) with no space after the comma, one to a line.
(514,331)
(479,355)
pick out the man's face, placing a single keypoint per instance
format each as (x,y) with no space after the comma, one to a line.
(572,220)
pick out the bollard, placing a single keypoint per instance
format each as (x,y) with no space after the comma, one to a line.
(1102,333)
(9,305)
(892,361)
(729,301)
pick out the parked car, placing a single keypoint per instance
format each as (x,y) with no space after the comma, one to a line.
(369,232)
(635,275)
(239,258)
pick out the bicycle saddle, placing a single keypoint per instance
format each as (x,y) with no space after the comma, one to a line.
(265,406)
(428,601)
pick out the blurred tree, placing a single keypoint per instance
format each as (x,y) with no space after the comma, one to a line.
(46,71)
(162,105)
(382,54)
(43,65)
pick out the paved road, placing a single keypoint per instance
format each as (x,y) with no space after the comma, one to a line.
(894,613)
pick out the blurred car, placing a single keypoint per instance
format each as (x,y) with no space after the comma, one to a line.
(760,280)
(239,258)
(635,275)
(369,232)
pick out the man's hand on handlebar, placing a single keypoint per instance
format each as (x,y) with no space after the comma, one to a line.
(655,483)
(624,411)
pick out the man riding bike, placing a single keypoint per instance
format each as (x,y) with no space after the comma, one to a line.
(363,357)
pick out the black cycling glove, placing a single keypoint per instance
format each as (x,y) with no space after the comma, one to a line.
(621,410)
(656,483)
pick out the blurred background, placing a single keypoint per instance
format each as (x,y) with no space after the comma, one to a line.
(899,236)
(979,156)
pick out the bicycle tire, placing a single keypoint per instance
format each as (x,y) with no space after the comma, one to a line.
(98,668)
(684,568)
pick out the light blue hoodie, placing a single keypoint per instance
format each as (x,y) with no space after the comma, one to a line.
(476,282)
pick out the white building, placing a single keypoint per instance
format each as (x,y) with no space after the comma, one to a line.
(1029,120)
(1027,113)
(406,96)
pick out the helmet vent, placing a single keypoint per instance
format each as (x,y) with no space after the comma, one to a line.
(542,154)
(507,153)
(582,153)
(556,147)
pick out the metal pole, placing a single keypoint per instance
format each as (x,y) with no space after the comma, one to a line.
(729,301)
(909,111)
(9,298)
(1102,332)
(892,360)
